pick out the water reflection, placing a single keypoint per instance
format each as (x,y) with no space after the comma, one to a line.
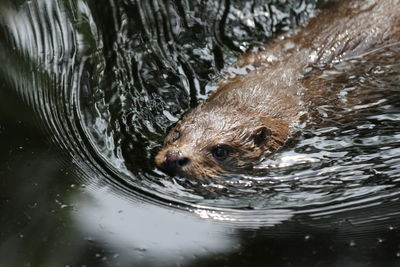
(145,231)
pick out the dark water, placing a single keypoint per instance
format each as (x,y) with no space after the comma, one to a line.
(89,89)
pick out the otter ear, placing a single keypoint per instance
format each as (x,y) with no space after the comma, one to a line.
(260,135)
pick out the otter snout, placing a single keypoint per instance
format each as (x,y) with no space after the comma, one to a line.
(172,162)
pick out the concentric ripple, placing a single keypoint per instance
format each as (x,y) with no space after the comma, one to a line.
(107,79)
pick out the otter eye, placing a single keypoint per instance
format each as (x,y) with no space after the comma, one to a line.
(220,152)
(175,136)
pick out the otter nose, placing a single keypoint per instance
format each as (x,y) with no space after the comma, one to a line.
(175,161)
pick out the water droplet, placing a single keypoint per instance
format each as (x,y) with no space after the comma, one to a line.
(90,239)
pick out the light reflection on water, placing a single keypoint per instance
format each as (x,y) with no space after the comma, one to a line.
(164,235)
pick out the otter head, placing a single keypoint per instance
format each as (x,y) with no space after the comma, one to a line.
(209,142)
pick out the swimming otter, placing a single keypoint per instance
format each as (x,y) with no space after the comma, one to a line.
(250,116)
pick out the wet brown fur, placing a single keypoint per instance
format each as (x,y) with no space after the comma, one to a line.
(269,97)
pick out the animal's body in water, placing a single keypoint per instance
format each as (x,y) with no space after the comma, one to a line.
(251,116)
